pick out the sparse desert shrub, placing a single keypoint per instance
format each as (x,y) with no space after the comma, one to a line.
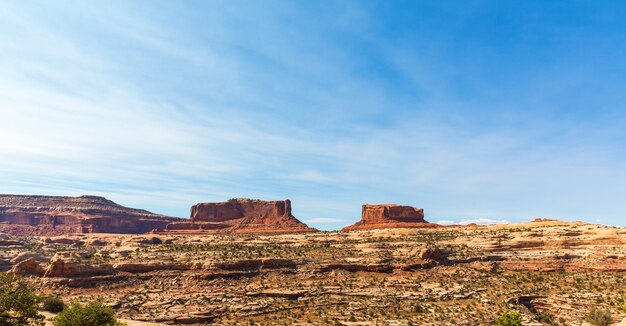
(94,313)
(599,317)
(53,304)
(545,317)
(18,302)
(509,318)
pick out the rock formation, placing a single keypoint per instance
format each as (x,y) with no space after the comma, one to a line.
(222,279)
(241,215)
(389,216)
(64,267)
(56,215)
(28,267)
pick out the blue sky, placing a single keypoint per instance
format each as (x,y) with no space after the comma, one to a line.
(490,110)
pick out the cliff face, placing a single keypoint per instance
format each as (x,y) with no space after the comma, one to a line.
(242,215)
(389,216)
(54,215)
(373,214)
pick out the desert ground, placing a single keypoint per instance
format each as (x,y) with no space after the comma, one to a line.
(552,272)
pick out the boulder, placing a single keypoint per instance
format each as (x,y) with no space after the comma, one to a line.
(63,267)
(28,267)
(28,255)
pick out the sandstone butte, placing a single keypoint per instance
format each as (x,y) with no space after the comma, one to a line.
(56,215)
(390,216)
(241,215)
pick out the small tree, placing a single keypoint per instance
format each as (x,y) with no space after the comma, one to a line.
(18,302)
(509,318)
(598,317)
(53,304)
(94,313)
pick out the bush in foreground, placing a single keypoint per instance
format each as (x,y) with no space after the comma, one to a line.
(18,302)
(53,304)
(598,317)
(509,318)
(92,314)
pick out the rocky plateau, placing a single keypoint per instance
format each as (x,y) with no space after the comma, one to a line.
(553,272)
(56,215)
(390,216)
(241,215)
(245,262)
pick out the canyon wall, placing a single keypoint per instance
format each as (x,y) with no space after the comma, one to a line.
(55,215)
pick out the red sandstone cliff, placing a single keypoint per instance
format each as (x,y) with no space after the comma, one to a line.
(389,216)
(55,215)
(241,215)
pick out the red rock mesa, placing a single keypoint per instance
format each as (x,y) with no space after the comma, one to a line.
(55,215)
(389,216)
(241,215)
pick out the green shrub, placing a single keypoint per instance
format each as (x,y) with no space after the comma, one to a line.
(598,317)
(94,313)
(53,304)
(509,318)
(18,302)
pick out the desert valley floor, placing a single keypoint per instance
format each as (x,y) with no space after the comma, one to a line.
(553,272)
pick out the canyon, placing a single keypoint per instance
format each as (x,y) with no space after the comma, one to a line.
(552,272)
(247,261)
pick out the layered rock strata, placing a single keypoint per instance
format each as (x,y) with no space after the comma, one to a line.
(241,215)
(56,215)
(389,216)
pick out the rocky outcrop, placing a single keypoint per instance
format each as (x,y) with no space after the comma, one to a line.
(254,264)
(56,215)
(63,267)
(28,267)
(28,255)
(5,241)
(389,216)
(146,268)
(241,215)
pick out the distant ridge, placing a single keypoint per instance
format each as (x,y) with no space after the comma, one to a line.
(55,215)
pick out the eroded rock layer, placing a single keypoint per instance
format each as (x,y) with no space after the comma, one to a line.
(389,216)
(241,215)
(459,275)
(54,215)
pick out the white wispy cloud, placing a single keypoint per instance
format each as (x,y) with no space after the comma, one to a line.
(479,221)
(483,221)
(221,102)
(324,220)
